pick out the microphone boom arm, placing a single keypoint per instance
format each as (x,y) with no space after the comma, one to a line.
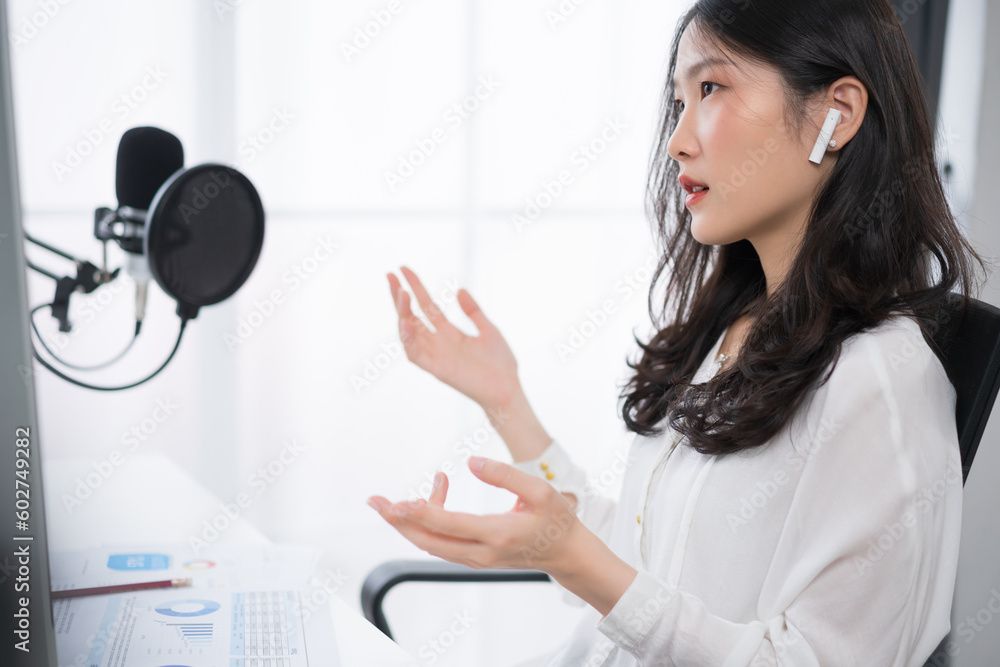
(88,278)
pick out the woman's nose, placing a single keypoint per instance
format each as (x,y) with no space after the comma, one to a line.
(682,141)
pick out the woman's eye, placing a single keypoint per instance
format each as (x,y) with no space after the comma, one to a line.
(679,105)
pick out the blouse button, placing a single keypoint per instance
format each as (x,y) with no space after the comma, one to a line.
(543,465)
(637,519)
(549,475)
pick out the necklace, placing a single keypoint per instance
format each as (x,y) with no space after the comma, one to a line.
(719,360)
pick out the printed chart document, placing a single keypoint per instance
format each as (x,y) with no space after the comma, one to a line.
(244,609)
(193,628)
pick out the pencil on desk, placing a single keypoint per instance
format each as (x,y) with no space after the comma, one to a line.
(120,588)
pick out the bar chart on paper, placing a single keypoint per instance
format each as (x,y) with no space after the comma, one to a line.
(175,629)
(195,635)
(204,628)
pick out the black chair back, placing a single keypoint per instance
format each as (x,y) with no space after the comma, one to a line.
(970,342)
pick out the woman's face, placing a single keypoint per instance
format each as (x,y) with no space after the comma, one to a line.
(732,137)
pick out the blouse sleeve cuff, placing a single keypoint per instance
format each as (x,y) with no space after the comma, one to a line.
(556,466)
(636,611)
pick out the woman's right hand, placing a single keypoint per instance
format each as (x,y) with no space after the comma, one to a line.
(481,367)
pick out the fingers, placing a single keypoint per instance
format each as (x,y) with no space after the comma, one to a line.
(410,326)
(432,312)
(421,532)
(394,287)
(440,490)
(472,528)
(506,476)
(472,309)
(465,300)
(459,525)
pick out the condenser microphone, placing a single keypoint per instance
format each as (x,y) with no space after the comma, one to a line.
(147,157)
(197,231)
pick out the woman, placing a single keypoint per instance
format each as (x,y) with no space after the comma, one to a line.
(793,494)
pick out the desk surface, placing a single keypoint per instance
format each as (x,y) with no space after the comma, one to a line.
(131,506)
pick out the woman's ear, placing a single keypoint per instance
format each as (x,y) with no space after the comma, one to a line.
(849,96)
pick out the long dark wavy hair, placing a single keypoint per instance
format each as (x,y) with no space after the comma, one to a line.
(877,229)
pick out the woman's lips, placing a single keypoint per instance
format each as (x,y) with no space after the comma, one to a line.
(695,197)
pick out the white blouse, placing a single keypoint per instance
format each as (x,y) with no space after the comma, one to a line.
(834,544)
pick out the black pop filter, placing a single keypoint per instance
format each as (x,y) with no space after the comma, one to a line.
(147,157)
(204,231)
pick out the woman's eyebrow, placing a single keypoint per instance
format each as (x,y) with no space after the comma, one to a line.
(700,65)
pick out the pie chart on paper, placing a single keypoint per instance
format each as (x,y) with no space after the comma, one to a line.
(187,607)
(199,564)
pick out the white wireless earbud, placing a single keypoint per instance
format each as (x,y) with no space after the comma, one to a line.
(832,118)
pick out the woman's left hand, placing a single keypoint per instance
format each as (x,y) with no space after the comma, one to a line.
(537,533)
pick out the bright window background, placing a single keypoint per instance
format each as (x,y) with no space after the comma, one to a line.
(267,87)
